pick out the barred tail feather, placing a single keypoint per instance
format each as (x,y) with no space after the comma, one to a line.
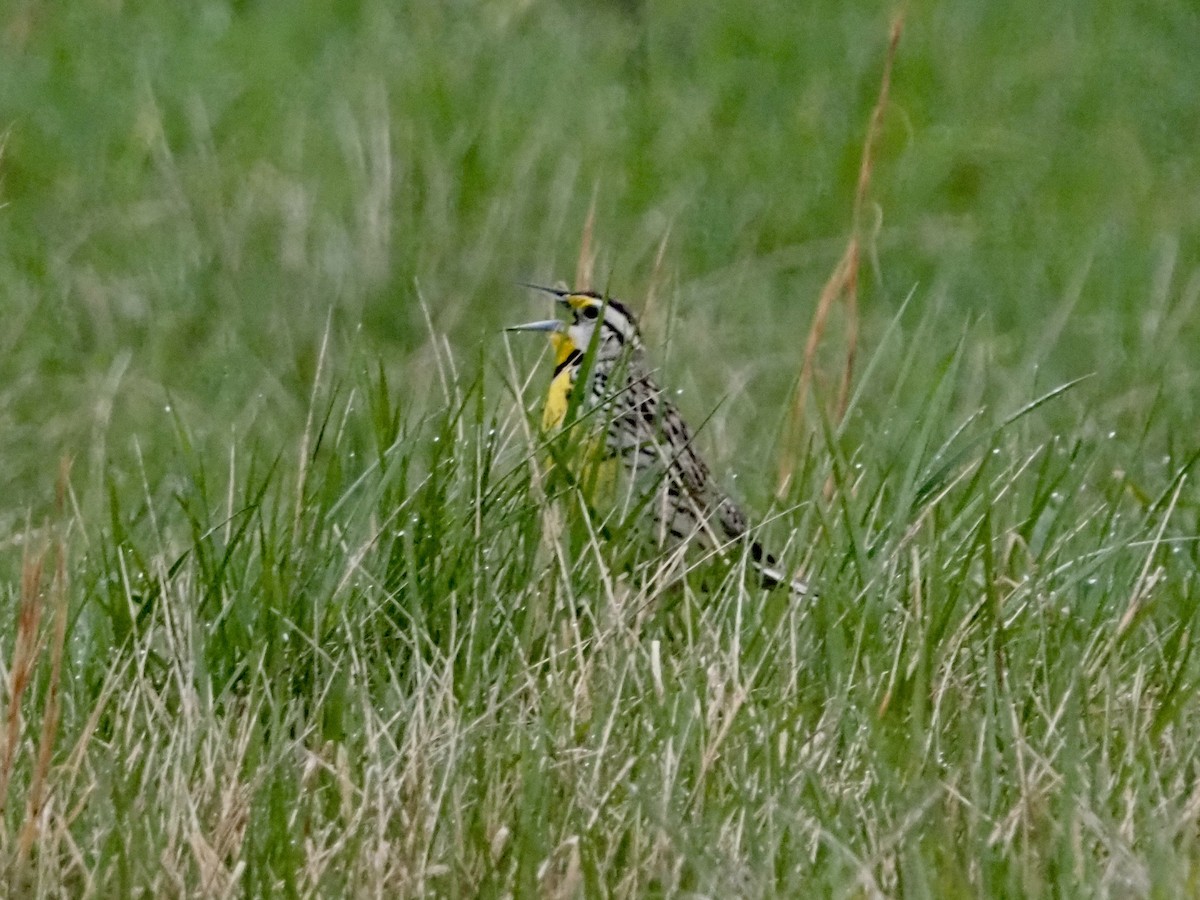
(771,576)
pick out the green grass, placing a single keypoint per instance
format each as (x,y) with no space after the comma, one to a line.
(320,634)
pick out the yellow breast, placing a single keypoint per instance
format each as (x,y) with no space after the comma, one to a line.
(594,470)
(560,388)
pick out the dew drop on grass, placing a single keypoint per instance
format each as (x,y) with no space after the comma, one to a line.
(1092,582)
(1111,435)
(995,451)
(167,408)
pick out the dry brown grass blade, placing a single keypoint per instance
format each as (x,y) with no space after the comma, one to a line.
(586,263)
(655,277)
(57,599)
(20,672)
(27,650)
(843,283)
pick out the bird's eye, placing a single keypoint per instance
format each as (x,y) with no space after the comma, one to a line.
(590,312)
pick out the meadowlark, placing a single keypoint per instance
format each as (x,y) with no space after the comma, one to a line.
(636,429)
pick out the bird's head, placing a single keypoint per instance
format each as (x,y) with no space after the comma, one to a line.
(586,311)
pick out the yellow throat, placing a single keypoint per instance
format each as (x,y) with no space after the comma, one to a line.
(559,394)
(595,470)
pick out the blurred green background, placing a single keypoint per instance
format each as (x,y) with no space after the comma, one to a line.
(191,192)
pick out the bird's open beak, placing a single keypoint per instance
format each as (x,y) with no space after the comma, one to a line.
(560,294)
(553,325)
